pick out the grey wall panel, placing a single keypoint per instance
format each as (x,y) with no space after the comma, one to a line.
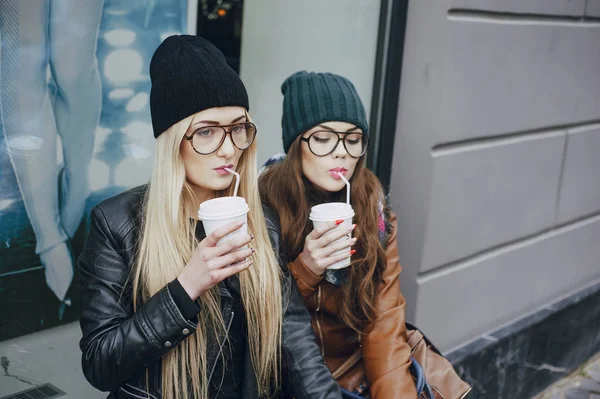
(412,168)
(580,189)
(474,76)
(487,194)
(593,8)
(511,77)
(459,304)
(546,7)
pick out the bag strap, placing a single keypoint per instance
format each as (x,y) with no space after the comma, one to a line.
(427,341)
(423,388)
(351,361)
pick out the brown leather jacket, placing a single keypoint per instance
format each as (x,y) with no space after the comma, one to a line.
(385,352)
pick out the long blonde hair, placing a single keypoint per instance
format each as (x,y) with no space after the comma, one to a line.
(167,243)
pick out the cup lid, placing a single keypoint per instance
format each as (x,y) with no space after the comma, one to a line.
(332,211)
(222,207)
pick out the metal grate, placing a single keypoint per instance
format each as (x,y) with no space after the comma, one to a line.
(45,391)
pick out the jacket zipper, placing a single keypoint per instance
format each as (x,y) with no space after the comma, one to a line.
(319,323)
(466,393)
(221,346)
(147,393)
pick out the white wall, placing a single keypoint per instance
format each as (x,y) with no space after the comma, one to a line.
(284,36)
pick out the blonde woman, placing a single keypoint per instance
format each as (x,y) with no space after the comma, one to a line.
(165,312)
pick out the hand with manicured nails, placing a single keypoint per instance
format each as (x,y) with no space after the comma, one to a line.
(211,264)
(319,246)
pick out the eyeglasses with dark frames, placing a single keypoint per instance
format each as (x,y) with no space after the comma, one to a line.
(324,142)
(207,139)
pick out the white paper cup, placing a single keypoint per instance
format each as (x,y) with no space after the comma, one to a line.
(329,212)
(218,212)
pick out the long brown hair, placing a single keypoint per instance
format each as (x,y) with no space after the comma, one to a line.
(284,188)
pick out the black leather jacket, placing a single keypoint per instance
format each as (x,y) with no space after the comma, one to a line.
(118,344)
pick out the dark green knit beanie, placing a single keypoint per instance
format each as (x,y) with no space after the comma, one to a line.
(311,98)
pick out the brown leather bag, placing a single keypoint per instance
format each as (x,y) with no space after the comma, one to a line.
(439,372)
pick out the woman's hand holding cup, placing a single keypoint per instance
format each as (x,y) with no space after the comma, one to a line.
(320,249)
(211,264)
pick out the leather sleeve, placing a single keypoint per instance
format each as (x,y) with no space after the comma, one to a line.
(306,280)
(386,351)
(117,343)
(309,377)
(188,308)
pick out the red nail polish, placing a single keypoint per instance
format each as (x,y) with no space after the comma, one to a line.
(338,222)
(353,252)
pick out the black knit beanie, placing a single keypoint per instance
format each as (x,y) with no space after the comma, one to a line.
(311,98)
(189,75)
